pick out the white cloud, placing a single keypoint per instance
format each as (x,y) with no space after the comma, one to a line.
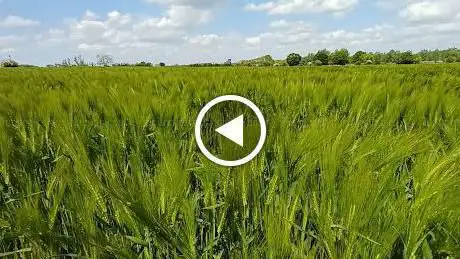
(431,10)
(253,41)
(193,3)
(282,37)
(187,16)
(204,40)
(12,21)
(304,6)
(52,37)
(10,41)
(282,33)
(119,30)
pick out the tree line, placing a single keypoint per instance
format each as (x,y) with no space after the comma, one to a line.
(343,57)
(320,58)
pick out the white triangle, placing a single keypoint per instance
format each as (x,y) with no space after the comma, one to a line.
(233,130)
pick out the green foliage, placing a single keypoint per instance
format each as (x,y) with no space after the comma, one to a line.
(360,162)
(323,56)
(357,58)
(143,64)
(405,58)
(339,57)
(437,55)
(162,64)
(308,60)
(264,61)
(293,59)
(451,59)
(317,63)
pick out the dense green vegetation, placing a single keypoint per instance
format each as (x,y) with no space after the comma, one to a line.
(360,162)
(343,57)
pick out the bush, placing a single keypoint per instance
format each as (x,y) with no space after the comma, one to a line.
(162,64)
(406,58)
(143,64)
(451,59)
(317,62)
(293,59)
(9,63)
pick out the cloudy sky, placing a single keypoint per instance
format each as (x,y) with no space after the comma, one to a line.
(188,31)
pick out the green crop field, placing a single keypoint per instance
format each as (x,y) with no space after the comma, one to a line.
(360,162)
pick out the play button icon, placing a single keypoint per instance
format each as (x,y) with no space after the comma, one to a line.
(230,130)
(234,130)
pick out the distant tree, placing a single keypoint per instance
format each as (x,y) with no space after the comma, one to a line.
(280,63)
(9,62)
(317,63)
(368,58)
(228,62)
(143,64)
(405,58)
(451,59)
(357,58)
(425,55)
(340,57)
(308,59)
(263,61)
(323,56)
(379,58)
(122,65)
(392,56)
(104,60)
(293,59)
(162,64)
(66,62)
(79,61)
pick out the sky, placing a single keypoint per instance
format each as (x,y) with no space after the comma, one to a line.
(192,31)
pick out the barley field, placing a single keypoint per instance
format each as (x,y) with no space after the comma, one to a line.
(359,162)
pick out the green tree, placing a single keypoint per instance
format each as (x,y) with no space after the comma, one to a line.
(293,59)
(368,58)
(451,59)
(357,57)
(308,59)
(392,56)
(425,55)
(323,56)
(143,64)
(340,57)
(379,58)
(405,58)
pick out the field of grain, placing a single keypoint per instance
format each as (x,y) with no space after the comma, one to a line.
(360,162)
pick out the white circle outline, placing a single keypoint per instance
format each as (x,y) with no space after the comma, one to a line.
(260,117)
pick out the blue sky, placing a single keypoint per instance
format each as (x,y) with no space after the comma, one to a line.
(188,31)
